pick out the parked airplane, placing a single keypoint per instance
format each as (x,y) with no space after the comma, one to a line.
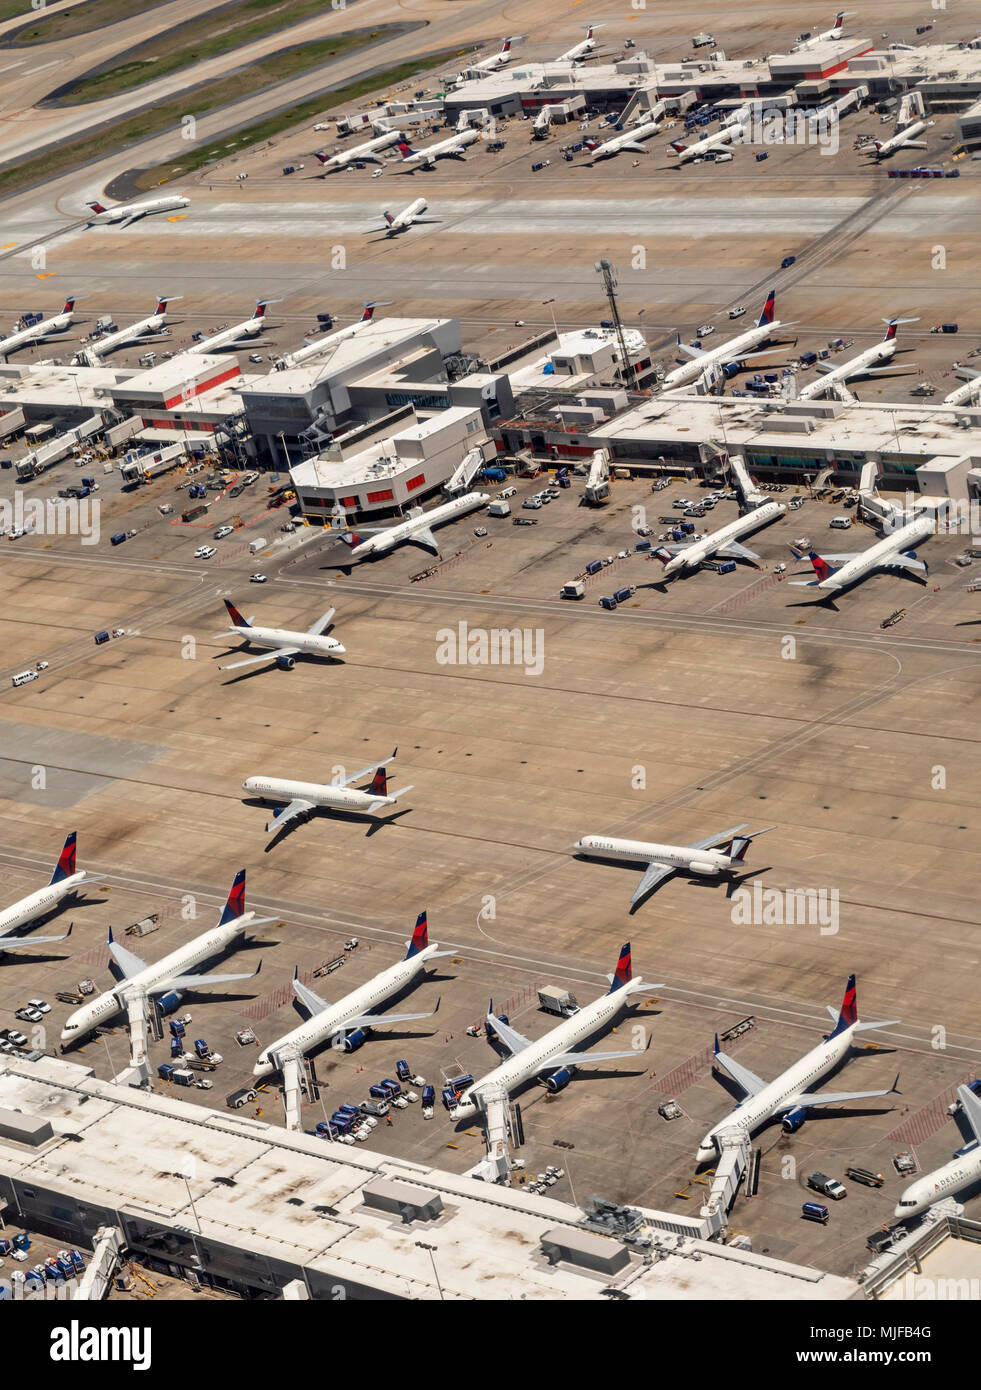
(710,858)
(628,140)
(316,346)
(65,883)
(453,147)
(862,365)
(281,644)
(249,328)
(893,552)
(417,529)
(965,394)
(727,135)
(368,150)
(904,139)
(169,974)
(735,349)
(349,1022)
(58,324)
(496,60)
(723,543)
(144,328)
(788,1095)
(557,1052)
(304,797)
(126,213)
(581,50)
(835,32)
(401,222)
(964,1169)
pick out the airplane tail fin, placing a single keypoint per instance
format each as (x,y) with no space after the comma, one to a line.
(379,783)
(235,906)
(839,19)
(420,936)
(161,305)
(350,539)
(892,325)
(739,844)
(69,305)
(663,555)
(766,317)
(821,567)
(235,615)
(388,218)
(849,1009)
(506,46)
(324,158)
(405,149)
(66,860)
(97,207)
(624,972)
(260,308)
(678,148)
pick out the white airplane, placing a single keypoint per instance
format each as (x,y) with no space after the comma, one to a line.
(893,552)
(417,529)
(835,32)
(342,795)
(58,324)
(788,1095)
(402,221)
(727,135)
(453,147)
(168,976)
(348,1022)
(904,139)
(368,150)
(557,1052)
(628,140)
(249,328)
(733,350)
(582,50)
(723,543)
(496,60)
(964,1169)
(713,857)
(281,645)
(316,346)
(126,213)
(965,394)
(65,882)
(145,328)
(862,365)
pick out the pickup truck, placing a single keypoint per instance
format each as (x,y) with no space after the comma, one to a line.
(828,1187)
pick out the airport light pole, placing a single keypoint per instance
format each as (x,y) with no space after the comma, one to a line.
(610,283)
(555,326)
(432,1255)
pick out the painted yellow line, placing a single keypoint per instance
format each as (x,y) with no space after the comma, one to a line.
(8,246)
(179,218)
(46,275)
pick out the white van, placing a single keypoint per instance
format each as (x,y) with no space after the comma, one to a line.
(840,523)
(499,508)
(259,544)
(24,677)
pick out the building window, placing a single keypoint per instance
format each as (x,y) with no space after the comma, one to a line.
(415,482)
(349,501)
(386,495)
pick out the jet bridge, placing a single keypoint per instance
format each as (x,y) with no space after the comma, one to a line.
(733,1162)
(465,474)
(495,1166)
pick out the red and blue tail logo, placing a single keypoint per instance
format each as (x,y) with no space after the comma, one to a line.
(66,860)
(849,1008)
(260,309)
(369,310)
(624,972)
(96,207)
(766,317)
(420,936)
(69,306)
(235,906)
(678,148)
(388,218)
(161,306)
(235,615)
(405,149)
(891,330)
(821,567)
(379,783)
(839,19)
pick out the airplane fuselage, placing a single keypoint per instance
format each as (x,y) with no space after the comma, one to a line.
(120,214)
(742,343)
(902,540)
(404,530)
(693,555)
(879,352)
(963,1171)
(707,862)
(271,638)
(32,335)
(320,794)
(39,904)
(900,140)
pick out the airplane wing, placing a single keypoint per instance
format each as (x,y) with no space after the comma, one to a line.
(691,351)
(356,776)
(287,814)
(734,551)
(635,145)
(971,1107)
(653,875)
(890,367)
(306,996)
(747,1080)
(322,624)
(11,943)
(914,145)
(195,981)
(578,1059)
(128,962)
(714,840)
(903,562)
(510,1037)
(834,1097)
(426,539)
(826,366)
(266,656)
(373,1020)
(127,220)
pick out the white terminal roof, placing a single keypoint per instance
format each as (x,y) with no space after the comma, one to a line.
(377,336)
(381,459)
(58,387)
(925,65)
(132,1150)
(583,343)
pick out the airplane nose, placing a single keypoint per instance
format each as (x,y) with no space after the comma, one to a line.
(706,1152)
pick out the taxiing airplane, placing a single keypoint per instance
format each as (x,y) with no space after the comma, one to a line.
(862,365)
(249,328)
(727,135)
(894,552)
(417,528)
(904,139)
(281,645)
(735,349)
(57,324)
(835,32)
(369,150)
(723,543)
(144,328)
(408,217)
(349,1022)
(443,149)
(303,798)
(964,1169)
(557,1053)
(581,50)
(65,882)
(713,857)
(126,213)
(169,975)
(628,140)
(788,1095)
(496,60)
